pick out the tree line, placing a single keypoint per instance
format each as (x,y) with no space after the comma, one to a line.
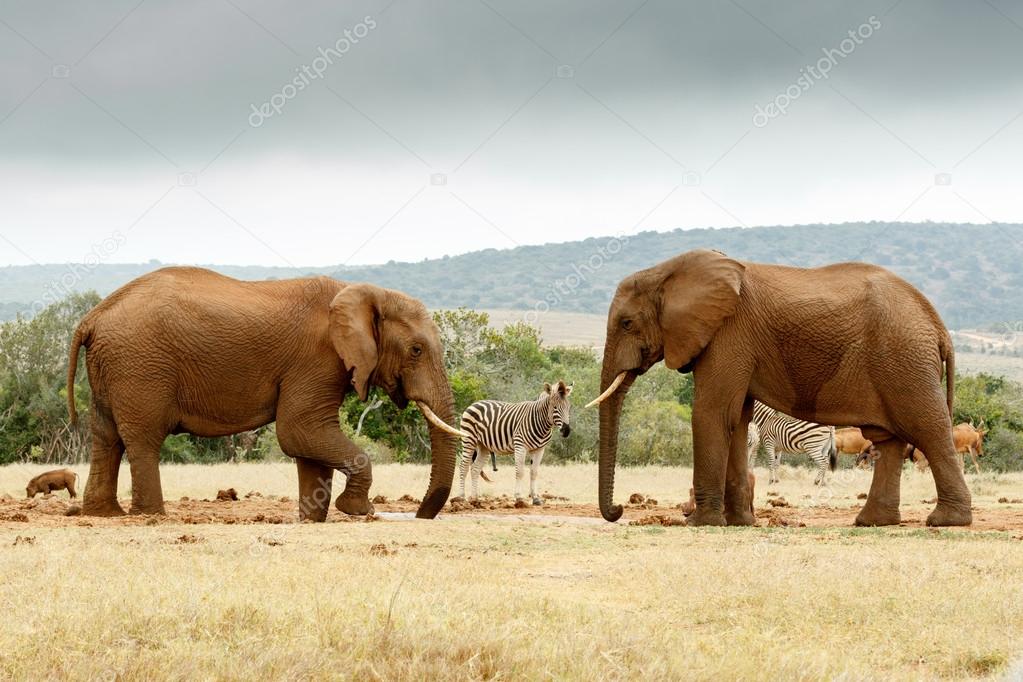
(509,364)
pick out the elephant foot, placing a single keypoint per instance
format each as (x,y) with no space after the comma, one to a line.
(537,501)
(740,518)
(354,504)
(108,508)
(706,517)
(876,515)
(316,514)
(950,515)
(147,509)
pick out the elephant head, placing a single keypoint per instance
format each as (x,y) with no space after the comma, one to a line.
(669,312)
(389,340)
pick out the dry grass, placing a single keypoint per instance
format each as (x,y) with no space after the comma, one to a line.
(485,598)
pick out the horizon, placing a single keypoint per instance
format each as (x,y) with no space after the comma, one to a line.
(341,266)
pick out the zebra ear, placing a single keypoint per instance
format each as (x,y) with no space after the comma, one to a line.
(563,390)
(353,333)
(547,388)
(697,296)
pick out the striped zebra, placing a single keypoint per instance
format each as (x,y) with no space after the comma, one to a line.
(513,429)
(782,433)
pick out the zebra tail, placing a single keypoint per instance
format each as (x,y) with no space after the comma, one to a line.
(483,475)
(832,453)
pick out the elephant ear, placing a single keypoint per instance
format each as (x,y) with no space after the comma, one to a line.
(353,333)
(699,294)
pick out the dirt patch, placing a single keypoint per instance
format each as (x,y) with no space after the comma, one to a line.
(24,540)
(229,495)
(380,549)
(188,539)
(659,520)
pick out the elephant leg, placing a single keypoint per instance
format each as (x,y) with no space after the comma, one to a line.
(711,454)
(144,460)
(953,508)
(314,434)
(315,482)
(738,496)
(882,506)
(100,497)
(534,472)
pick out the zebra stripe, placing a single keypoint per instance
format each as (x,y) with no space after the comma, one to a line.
(782,433)
(496,427)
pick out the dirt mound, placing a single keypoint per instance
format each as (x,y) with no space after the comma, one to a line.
(229,495)
(659,520)
(380,549)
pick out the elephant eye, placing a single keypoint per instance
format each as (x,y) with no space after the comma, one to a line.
(417,351)
(627,325)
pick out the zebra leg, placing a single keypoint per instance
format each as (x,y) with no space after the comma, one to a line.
(821,459)
(534,471)
(468,448)
(520,463)
(477,467)
(772,459)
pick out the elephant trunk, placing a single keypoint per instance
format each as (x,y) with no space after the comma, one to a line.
(610,413)
(443,448)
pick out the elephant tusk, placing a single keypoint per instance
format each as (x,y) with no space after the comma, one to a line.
(610,389)
(438,422)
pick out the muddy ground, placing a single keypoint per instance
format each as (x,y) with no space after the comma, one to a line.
(255,508)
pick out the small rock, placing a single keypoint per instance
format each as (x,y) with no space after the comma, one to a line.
(1003,500)
(185,499)
(73,510)
(651,501)
(778,502)
(24,540)
(409,498)
(229,495)
(253,493)
(637,498)
(1016,500)
(520,504)
(380,499)
(861,496)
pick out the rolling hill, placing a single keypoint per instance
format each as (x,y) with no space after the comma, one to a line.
(973,273)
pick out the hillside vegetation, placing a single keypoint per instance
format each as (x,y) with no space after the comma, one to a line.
(972,273)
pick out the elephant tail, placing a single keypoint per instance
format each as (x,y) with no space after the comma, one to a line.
(950,376)
(72,369)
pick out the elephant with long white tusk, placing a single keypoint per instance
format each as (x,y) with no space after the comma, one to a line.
(751,331)
(186,350)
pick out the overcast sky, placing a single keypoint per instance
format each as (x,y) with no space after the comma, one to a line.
(435,128)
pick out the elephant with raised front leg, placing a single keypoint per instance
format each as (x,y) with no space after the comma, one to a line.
(751,331)
(186,350)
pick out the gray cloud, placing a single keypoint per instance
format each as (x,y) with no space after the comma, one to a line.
(658,96)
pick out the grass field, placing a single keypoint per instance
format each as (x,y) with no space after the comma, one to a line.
(528,594)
